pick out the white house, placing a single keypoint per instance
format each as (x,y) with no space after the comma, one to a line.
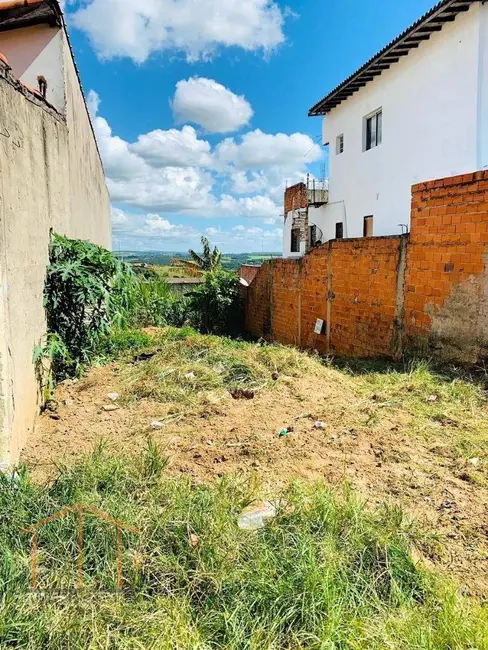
(416,111)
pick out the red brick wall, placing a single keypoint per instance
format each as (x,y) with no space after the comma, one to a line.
(363,318)
(350,284)
(381,295)
(296,197)
(447,284)
(285,302)
(258,304)
(248,272)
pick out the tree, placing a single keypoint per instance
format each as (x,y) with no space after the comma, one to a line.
(208,260)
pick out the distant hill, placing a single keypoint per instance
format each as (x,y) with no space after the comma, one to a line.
(229,260)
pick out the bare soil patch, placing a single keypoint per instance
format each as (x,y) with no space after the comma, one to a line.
(376,446)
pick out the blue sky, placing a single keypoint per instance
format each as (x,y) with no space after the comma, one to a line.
(200,106)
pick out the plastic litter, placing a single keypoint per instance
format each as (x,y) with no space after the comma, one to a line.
(113,396)
(319,425)
(256,516)
(157,424)
(283,433)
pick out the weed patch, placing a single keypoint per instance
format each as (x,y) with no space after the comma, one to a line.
(451,408)
(194,369)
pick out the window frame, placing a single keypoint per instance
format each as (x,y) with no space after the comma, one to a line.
(340,144)
(372,138)
(339,230)
(367,220)
(295,240)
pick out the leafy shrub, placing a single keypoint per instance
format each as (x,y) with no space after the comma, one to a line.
(215,305)
(155,304)
(88,291)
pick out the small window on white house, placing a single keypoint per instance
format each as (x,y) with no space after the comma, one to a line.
(295,240)
(340,144)
(373,130)
(368,227)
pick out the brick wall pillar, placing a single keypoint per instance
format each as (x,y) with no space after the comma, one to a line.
(446,293)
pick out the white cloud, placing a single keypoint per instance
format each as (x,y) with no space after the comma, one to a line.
(168,173)
(122,28)
(258,150)
(93,102)
(210,105)
(147,183)
(250,207)
(150,226)
(246,239)
(119,219)
(172,189)
(172,148)
(154,232)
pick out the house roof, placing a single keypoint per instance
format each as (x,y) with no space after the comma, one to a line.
(433,21)
(24,13)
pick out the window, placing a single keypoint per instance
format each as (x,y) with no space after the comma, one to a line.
(312,236)
(295,240)
(340,144)
(339,231)
(368,227)
(42,83)
(373,130)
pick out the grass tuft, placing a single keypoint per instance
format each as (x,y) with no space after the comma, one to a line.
(192,370)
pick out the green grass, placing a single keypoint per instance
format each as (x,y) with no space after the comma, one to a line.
(448,406)
(442,406)
(327,573)
(193,369)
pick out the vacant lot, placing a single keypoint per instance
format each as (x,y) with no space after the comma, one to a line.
(407,434)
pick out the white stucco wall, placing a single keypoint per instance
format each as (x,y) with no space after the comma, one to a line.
(435,124)
(482,162)
(325,217)
(50,177)
(34,51)
(287,227)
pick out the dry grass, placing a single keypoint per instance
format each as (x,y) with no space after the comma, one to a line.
(197,370)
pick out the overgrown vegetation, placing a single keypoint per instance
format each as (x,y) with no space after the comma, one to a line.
(207,261)
(326,573)
(89,294)
(215,306)
(190,370)
(155,305)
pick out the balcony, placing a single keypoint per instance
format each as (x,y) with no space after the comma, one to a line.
(317,194)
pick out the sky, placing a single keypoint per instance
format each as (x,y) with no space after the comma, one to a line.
(200,107)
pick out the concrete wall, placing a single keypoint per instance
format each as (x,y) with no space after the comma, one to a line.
(34,51)
(435,124)
(380,296)
(51,177)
